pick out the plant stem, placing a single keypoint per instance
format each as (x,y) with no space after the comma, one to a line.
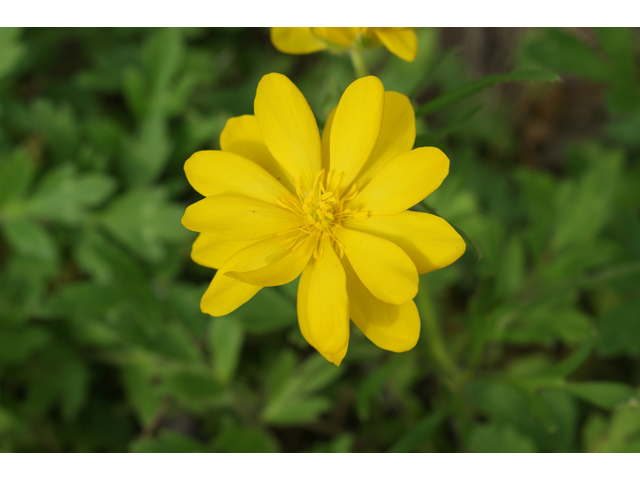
(433,335)
(357,59)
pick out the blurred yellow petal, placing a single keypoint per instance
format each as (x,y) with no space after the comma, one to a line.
(327,302)
(212,252)
(355,127)
(397,135)
(382,266)
(402,42)
(288,127)
(238,218)
(212,172)
(428,239)
(303,319)
(343,36)
(403,182)
(283,270)
(392,327)
(296,40)
(242,135)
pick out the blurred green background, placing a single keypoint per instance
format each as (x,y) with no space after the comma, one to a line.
(535,347)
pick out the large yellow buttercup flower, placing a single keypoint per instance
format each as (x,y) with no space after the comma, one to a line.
(402,42)
(282,202)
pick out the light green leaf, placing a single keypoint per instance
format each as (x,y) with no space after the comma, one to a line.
(144,220)
(12,49)
(225,343)
(602,394)
(29,238)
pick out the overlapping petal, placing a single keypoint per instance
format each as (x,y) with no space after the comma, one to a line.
(212,252)
(288,127)
(283,270)
(213,172)
(242,135)
(382,266)
(397,135)
(403,182)
(355,127)
(303,320)
(402,42)
(226,293)
(327,302)
(231,217)
(428,239)
(296,40)
(392,327)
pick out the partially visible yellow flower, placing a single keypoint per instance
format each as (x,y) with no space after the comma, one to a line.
(402,42)
(281,202)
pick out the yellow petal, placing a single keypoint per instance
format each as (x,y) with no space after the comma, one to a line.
(212,252)
(225,294)
(356,126)
(326,136)
(397,135)
(231,217)
(327,302)
(283,270)
(213,172)
(402,42)
(343,36)
(381,265)
(288,127)
(241,135)
(428,239)
(392,327)
(296,40)
(303,319)
(403,182)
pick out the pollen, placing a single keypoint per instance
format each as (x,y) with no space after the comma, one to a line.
(322,210)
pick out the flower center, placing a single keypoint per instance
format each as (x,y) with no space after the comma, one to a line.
(322,209)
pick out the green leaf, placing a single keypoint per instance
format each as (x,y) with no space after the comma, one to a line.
(419,433)
(563,51)
(169,442)
(235,439)
(500,438)
(619,45)
(475,86)
(140,392)
(64,196)
(144,220)
(293,401)
(146,154)
(602,394)
(163,54)
(12,49)
(225,343)
(268,311)
(16,173)
(29,238)
(17,345)
(619,330)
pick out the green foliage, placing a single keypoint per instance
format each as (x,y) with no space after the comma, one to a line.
(529,343)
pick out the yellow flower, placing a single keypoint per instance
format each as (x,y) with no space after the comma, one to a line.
(282,202)
(402,42)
